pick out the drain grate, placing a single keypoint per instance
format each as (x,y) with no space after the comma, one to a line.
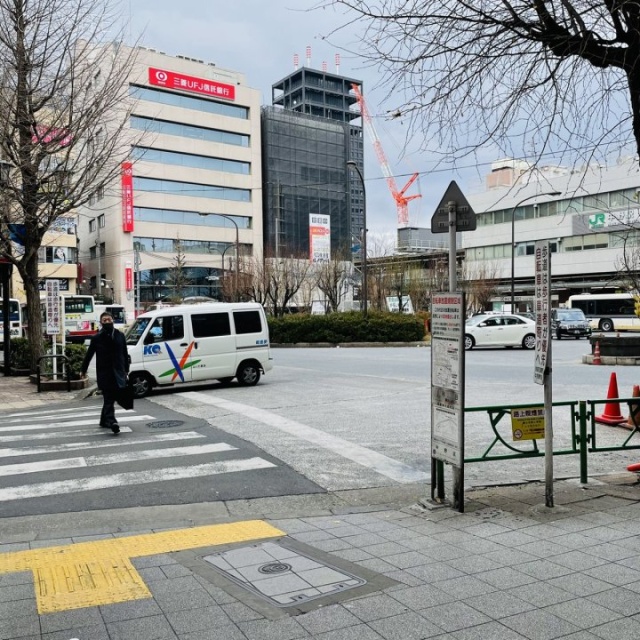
(282,576)
(165,424)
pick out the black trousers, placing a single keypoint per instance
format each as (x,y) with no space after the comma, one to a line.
(108,415)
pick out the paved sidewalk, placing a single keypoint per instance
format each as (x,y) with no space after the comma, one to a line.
(383,563)
(17,392)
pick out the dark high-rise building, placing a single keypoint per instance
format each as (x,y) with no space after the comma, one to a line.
(307,139)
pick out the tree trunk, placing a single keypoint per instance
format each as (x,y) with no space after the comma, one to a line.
(29,274)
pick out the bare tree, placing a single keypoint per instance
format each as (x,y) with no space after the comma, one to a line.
(481,284)
(178,272)
(331,278)
(561,75)
(275,282)
(62,120)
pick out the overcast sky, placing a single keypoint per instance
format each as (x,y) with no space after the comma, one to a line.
(259,38)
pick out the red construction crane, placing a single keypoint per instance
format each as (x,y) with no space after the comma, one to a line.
(398,194)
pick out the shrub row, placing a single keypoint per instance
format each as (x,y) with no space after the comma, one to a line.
(21,357)
(346,327)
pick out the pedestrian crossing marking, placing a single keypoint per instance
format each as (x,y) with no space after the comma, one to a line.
(128,478)
(63,425)
(98,444)
(80,433)
(90,574)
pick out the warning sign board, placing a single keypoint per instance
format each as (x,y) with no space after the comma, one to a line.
(527,423)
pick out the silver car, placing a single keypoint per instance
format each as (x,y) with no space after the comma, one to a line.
(500,331)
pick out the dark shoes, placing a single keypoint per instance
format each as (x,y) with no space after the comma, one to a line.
(115,427)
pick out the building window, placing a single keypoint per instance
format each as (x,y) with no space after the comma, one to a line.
(101,221)
(92,253)
(170,245)
(189,131)
(92,225)
(176,216)
(191,189)
(189,102)
(190,160)
(100,193)
(103,250)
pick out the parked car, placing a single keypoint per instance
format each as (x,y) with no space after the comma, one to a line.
(506,330)
(569,322)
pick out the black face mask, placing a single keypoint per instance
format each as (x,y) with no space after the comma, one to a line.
(108,328)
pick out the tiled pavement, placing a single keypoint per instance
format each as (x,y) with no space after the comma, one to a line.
(506,569)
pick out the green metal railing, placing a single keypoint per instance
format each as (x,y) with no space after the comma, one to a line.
(583,432)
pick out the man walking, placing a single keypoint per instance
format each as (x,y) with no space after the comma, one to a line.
(112,366)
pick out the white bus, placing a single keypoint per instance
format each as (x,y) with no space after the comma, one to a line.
(15,320)
(608,311)
(79,318)
(117,313)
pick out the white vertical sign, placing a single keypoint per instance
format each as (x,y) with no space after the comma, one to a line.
(53,307)
(319,238)
(542,308)
(447,377)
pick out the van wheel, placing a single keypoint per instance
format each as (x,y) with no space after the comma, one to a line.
(529,341)
(141,384)
(248,374)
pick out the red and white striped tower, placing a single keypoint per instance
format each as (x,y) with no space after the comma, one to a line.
(296,61)
(308,56)
(337,64)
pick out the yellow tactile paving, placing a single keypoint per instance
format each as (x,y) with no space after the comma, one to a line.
(89,574)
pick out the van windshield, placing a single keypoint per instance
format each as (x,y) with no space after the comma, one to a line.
(136,330)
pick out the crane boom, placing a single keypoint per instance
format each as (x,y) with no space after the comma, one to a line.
(398,195)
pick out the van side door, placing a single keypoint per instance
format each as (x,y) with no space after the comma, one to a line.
(167,352)
(214,344)
(251,334)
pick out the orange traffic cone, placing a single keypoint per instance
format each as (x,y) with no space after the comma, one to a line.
(633,420)
(611,413)
(596,354)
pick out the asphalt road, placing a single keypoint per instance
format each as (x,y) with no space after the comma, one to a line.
(322,420)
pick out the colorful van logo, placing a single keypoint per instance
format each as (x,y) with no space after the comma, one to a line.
(179,367)
(152,350)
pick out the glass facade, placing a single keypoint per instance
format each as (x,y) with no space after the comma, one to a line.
(304,160)
(191,189)
(188,131)
(155,284)
(205,219)
(190,160)
(188,102)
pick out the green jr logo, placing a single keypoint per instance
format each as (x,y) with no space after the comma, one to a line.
(597,221)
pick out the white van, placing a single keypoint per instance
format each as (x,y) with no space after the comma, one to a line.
(193,343)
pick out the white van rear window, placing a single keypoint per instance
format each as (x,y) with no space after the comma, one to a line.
(247,321)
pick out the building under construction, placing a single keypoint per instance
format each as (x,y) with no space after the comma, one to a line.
(308,135)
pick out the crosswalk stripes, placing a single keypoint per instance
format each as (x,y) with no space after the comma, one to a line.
(165,456)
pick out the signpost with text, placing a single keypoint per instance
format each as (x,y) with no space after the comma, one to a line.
(453,214)
(542,367)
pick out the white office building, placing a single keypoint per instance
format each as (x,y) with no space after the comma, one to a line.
(593,212)
(192,185)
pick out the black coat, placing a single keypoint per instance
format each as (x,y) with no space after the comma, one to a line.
(112,360)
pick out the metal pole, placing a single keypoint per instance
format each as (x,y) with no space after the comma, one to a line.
(237,275)
(99,252)
(548,431)
(6,318)
(365,282)
(457,472)
(136,262)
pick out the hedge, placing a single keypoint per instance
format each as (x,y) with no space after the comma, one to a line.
(346,327)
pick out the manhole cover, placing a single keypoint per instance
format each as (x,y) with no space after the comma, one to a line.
(283,576)
(165,424)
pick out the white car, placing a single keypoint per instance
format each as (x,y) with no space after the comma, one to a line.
(504,330)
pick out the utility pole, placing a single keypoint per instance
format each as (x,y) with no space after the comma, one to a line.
(136,266)
(99,254)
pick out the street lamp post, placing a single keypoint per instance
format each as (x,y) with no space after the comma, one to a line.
(365,288)
(237,266)
(513,238)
